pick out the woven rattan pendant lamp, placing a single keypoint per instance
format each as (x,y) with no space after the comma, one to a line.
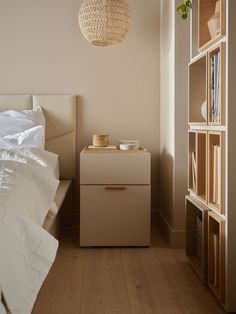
(104,22)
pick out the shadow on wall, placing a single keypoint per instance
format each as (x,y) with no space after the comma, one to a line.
(167,11)
(155,183)
(181,190)
(166,185)
(76,186)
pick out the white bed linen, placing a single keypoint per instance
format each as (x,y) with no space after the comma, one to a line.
(24,129)
(27,251)
(27,182)
(31,138)
(2,309)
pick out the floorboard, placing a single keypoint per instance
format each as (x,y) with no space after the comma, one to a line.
(155,280)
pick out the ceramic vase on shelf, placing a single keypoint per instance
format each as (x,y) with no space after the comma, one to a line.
(214,22)
(204,110)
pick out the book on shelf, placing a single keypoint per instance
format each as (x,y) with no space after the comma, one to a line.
(215,88)
(216,174)
(216,259)
(194,171)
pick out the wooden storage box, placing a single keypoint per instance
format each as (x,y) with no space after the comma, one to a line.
(197,90)
(216,255)
(220,51)
(196,236)
(216,173)
(198,173)
(206,11)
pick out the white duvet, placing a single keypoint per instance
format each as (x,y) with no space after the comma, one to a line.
(27,189)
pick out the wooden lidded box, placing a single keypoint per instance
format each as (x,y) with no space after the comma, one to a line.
(100,140)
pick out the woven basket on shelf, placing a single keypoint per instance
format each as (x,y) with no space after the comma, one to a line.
(104,22)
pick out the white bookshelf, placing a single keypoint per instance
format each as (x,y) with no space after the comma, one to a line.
(214,146)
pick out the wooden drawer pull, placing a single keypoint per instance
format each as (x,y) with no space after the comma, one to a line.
(115,188)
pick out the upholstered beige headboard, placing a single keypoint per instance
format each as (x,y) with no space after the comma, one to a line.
(60,115)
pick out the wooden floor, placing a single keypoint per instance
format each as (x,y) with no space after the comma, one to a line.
(156,280)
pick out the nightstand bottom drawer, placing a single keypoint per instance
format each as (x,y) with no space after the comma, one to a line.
(114,215)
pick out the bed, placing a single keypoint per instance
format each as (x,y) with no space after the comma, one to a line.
(60,139)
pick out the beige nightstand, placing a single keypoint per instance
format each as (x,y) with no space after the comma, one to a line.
(115,198)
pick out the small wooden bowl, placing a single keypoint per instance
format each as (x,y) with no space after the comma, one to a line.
(100,140)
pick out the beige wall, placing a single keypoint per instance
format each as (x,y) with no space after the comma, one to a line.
(167,125)
(173,138)
(43,51)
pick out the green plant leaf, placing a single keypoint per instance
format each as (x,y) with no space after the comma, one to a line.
(181,9)
(184,9)
(190,4)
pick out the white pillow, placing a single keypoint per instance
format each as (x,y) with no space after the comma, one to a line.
(12,125)
(23,129)
(30,138)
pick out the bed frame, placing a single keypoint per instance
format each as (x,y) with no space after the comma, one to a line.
(60,116)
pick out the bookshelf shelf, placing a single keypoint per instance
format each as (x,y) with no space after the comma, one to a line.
(196,243)
(208,127)
(212,142)
(216,255)
(216,151)
(211,22)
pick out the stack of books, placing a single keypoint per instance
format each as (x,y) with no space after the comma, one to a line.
(215,88)
(216,174)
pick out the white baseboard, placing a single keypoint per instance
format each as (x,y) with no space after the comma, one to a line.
(176,238)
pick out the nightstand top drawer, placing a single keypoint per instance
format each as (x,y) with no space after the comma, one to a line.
(116,167)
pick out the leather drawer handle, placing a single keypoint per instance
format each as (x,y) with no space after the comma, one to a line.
(115,188)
